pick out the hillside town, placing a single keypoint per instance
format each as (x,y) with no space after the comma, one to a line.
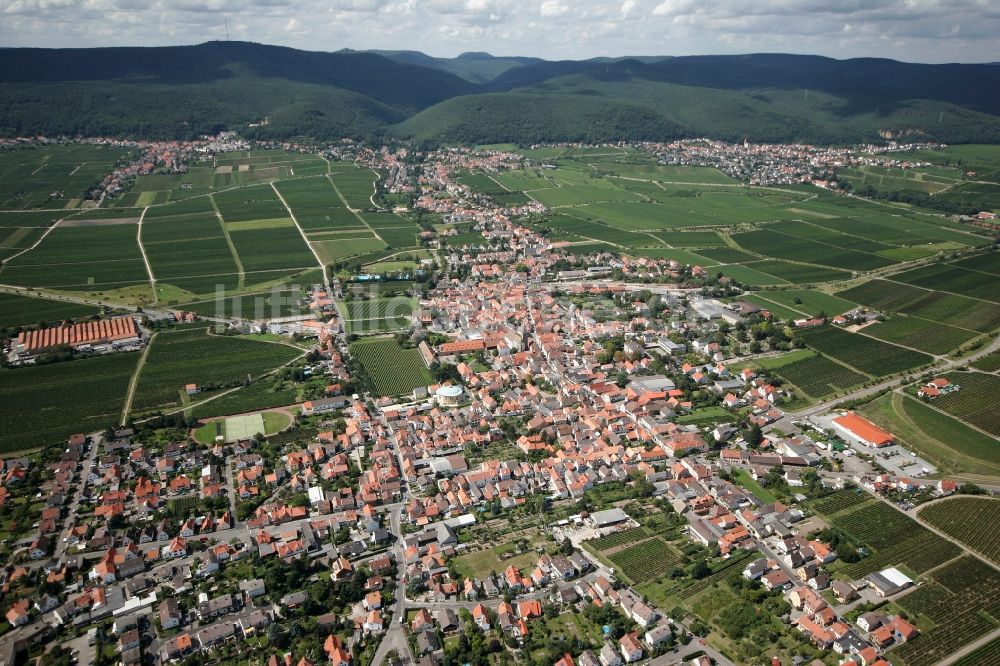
(599,445)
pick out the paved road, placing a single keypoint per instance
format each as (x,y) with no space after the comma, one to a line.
(395,636)
(785,423)
(912,513)
(978,643)
(81,483)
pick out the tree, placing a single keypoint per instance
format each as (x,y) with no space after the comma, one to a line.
(753,435)
(699,570)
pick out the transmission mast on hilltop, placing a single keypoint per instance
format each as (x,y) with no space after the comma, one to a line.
(227,28)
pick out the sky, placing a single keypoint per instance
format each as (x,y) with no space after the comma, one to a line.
(911,30)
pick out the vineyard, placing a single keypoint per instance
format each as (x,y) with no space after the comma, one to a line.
(895,539)
(988,363)
(818,376)
(975,521)
(731,566)
(949,309)
(963,602)
(391,369)
(645,561)
(616,539)
(840,501)
(987,655)
(868,355)
(927,336)
(378,308)
(975,402)
(193,356)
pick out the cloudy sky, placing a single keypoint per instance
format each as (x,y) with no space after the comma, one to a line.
(912,30)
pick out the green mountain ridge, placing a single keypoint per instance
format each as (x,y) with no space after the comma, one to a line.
(185,91)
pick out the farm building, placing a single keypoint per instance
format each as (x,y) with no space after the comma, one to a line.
(889,581)
(311,407)
(608,518)
(461,347)
(859,429)
(118,332)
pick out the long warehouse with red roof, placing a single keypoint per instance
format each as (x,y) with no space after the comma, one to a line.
(117,329)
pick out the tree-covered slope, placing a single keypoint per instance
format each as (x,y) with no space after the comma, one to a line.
(184,91)
(669,109)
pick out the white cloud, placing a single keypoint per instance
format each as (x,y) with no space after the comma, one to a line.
(550,8)
(916,30)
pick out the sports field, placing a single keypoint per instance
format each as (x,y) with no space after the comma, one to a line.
(244,427)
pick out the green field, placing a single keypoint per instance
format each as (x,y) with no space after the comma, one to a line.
(923,179)
(45,404)
(645,560)
(262,394)
(282,300)
(809,302)
(818,376)
(960,603)
(481,563)
(927,336)
(219,225)
(744,479)
(957,280)
(30,176)
(949,444)
(774,242)
(892,537)
(840,501)
(797,273)
(391,369)
(620,538)
(377,315)
(958,311)
(193,356)
(16,311)
(749,275)
(975,402)
(728,255)
(974,521)
(81,258)
(868,355)
(987,655)
(988,363)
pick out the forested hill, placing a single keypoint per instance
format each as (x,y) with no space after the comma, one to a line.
(183,91)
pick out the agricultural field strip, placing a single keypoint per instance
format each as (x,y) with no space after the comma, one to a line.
(356,214)
(973,521)
(975,403)
(301,232)
(894,536)
(49,229)
(229,241)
